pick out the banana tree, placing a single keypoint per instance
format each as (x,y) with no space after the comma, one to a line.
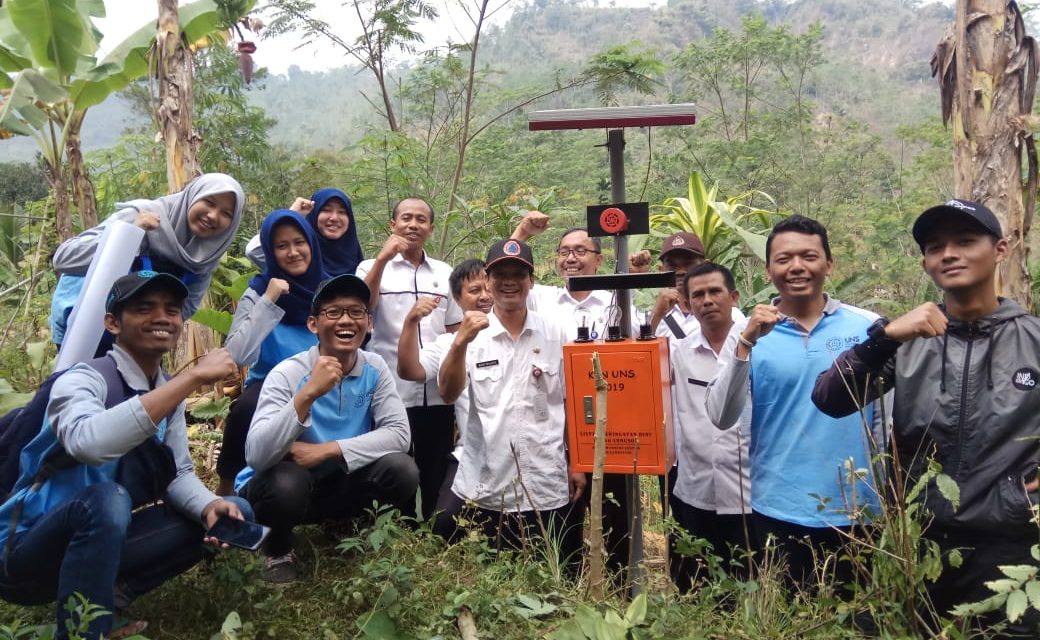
(724,226)
(733,230)
(49,67)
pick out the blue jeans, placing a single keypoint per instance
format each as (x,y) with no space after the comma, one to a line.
(92,544)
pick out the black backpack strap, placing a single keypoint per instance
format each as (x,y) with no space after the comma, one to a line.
(674,326)
(117,391)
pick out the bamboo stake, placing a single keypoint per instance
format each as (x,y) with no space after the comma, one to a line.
(596,552)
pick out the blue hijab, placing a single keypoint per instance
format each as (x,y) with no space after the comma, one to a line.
(296,303)
(343,255)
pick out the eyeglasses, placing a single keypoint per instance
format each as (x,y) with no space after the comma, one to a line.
(581,252)
(335,313)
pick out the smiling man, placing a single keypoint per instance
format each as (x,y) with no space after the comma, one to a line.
(330,434)
(398,277)
(965,376)
(713,488)
(510,363)
(802,485)
(113,440)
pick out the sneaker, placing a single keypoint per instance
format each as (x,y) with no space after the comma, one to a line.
(280,569)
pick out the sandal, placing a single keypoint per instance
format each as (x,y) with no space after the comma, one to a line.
(125,627)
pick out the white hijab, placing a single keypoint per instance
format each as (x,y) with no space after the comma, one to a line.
(173,239)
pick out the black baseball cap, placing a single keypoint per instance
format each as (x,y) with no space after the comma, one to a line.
(129,286)
(341,285)
(936,217)
(513,250)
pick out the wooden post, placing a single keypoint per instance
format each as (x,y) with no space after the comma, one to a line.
(597,555)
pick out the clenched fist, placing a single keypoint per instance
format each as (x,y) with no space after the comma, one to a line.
(473,322)
(394,245)
(302,206)
(422,308)
(325,375)
(214,366)
(762,320)
(147,220)
(276,288)
(925,321)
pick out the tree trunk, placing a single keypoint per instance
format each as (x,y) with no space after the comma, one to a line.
(464,135)
(173,117)
(173,113)
(62,215)
(987,70)
(82,188)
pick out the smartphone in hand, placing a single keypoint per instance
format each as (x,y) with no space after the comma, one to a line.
(238,533)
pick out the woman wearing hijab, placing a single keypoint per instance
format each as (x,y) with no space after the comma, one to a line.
(330,212)
(270,323)
(186,234)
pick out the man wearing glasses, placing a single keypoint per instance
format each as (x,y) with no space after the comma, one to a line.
(576,255)
(330,433)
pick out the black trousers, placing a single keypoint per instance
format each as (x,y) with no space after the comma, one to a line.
(433,438)
(287,495)
(805,549)
(981,554)
(232,458)
(518,529)
(449,505)
(725,533)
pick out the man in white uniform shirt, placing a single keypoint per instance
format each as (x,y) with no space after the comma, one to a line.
(470,290)
(578,254)
(398,276)
(713,487)
(513,467)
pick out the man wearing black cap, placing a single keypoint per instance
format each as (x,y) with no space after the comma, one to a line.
(965,375)
(113,440)
(513,465)
(330,433)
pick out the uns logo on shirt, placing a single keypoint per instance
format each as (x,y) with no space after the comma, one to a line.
(364,399)
(1024,379)
(837,345)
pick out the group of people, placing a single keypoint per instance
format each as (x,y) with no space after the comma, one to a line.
(399,380)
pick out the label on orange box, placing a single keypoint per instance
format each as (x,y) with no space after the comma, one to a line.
(639,436)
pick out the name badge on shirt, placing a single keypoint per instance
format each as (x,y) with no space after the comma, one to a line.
(699,383)
(487,363)
(541,406)
(541,399)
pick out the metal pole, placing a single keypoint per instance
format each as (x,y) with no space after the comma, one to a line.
(616,150)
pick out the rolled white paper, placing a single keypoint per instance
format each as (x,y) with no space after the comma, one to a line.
(115,253)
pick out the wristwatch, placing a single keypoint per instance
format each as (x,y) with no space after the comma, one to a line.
(876,330)
(877,335)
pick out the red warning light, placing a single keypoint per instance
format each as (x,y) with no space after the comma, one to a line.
(613,220)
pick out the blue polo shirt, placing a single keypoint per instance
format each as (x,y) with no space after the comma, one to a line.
(798,454)
(344,412)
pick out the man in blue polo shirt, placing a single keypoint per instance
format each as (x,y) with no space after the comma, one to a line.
(804,486)
(330,434)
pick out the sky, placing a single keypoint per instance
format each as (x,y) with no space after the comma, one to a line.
(278,54)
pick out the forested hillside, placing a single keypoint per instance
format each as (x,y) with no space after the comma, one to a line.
(875,70)
(824,107)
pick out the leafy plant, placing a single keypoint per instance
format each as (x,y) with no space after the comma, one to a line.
(589,623)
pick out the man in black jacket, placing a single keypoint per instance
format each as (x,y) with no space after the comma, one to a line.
(965,376)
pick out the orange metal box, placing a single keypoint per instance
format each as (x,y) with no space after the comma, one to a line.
(639,405)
